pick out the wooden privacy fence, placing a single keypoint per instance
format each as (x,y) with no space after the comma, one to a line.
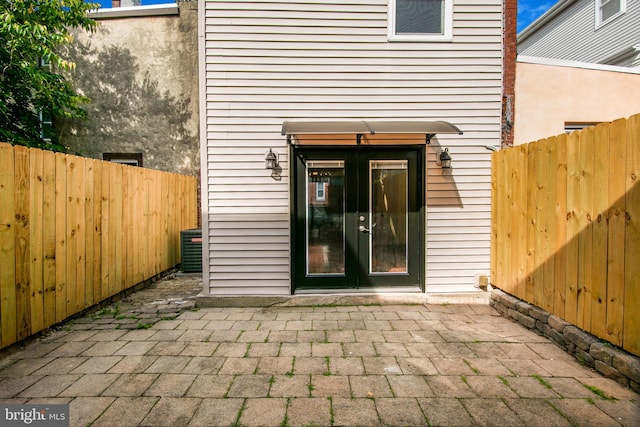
(566,228)
(75,231)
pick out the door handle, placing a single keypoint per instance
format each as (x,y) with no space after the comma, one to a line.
(365,229)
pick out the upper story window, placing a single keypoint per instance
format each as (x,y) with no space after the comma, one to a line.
(320,191)
(46,125)
(606,10)
(421,20)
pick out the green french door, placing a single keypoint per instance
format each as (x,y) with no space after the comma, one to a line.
(357,218)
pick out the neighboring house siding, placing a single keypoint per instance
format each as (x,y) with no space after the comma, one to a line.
(572,35)
(270,61)
(141,73)
(588,95)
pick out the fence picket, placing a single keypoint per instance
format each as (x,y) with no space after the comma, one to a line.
(573,226)
(36,263)
(61,237)
(23,279)
(106,264)
(600,233)
(88,232)
(631,321)
(530,225)
(49,236)
(585,239)
(116,225)
(504,238)
(8,329)
(518,219)
(97,232)
(615,270)
(560,256)
(548,262)
(540,182)
(72,208)
(496,158)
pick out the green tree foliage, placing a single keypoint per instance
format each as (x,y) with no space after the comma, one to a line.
(31,31)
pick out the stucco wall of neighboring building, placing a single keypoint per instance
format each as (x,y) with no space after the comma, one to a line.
(141,73)
(548,96)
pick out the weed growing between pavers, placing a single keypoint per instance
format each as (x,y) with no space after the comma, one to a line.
(126,316)
(328,371)
(464,379)
(285,421)
(310,387)
(475,370)
(293,367)
(558,411)
(331,414)
(272,381)
(107,312)
(504,380)
(226,393)
(542,381)
(599,392)
(237,422)
(144,325)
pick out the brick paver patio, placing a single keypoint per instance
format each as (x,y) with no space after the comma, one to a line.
(367,365)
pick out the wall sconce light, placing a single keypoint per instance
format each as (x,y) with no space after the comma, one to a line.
(445,159)
(271,160)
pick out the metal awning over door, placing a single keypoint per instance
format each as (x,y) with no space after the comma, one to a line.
(365,132)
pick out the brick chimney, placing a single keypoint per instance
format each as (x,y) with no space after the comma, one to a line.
(510,8)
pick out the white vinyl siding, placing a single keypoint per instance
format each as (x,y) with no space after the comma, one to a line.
(575,35)
(271,61)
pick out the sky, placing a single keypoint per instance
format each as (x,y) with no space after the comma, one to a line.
(528,10)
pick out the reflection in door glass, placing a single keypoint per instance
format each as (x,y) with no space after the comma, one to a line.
(389,219)
(325,217)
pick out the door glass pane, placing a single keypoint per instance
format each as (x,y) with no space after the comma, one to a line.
(325,218)
(389,220)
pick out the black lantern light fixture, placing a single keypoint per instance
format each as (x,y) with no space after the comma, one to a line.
(445,159)
(271,160)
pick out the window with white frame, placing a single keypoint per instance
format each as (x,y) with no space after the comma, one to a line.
(44,63)
(46,125)
(320,191)
(606,10)
(574,126)
(421,20)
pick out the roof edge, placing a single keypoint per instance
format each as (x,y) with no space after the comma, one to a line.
(555,10)
(575,64)
(136,11)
